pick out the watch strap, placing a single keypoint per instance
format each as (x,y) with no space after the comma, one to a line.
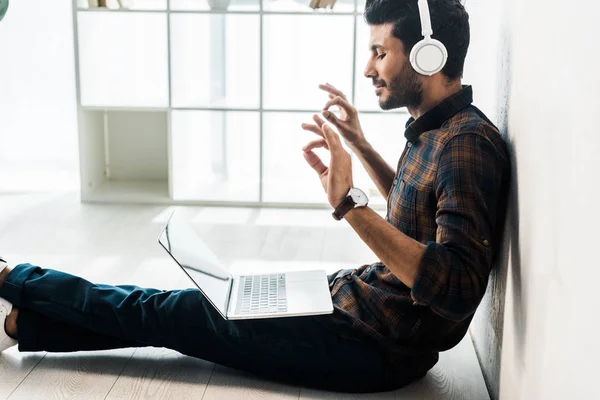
(341,210)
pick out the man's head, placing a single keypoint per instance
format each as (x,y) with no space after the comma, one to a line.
(395,29)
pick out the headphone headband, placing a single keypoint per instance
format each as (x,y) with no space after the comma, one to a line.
(425,18)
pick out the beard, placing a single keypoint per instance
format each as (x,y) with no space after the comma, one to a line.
(404,90)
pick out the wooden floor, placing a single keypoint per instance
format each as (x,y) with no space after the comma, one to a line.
(116,244)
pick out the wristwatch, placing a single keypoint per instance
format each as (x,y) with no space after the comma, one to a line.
(354,199)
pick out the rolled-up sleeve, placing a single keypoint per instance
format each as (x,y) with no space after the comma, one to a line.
(454,271)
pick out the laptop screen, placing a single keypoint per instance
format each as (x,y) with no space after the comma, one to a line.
(197,261)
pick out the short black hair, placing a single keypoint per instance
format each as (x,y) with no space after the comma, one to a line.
(449,20)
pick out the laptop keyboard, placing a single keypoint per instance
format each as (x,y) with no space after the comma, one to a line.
(262,294)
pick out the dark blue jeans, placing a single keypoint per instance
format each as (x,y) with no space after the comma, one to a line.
(59,312)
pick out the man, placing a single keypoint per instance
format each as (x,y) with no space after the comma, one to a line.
(446,205)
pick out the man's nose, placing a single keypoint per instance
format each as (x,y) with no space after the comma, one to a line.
(370,72)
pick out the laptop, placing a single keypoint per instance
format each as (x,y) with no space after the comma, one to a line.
(273,295)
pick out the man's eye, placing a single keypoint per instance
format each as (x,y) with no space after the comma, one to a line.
(380,56)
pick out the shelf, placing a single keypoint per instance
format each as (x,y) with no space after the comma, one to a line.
(293,6)
(156,192)
(119,147)
(130,5)
(207,73)
(163,118)
(126,65)
(342,7)
(215,12)
(215,156)
(113,10)
(143,192)
(202,5)
(232,109)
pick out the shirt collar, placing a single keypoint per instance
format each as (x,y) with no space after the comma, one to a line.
(435,118)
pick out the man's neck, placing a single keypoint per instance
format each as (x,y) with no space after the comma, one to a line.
(434,96)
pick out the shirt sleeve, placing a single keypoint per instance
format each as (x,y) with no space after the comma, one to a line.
(454,271)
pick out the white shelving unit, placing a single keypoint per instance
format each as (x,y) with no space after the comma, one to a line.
(123,102)
(169,114)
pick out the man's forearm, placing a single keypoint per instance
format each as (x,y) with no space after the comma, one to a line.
(379,171)
(401,254)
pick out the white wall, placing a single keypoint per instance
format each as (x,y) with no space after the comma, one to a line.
(38,136)
(540,341)
(487,69)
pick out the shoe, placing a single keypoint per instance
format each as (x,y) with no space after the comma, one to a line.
(6,341)
(5,309)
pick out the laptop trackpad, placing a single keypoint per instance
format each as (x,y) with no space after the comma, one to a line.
(308,292)
(303,276)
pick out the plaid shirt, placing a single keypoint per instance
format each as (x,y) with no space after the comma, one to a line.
(449,193)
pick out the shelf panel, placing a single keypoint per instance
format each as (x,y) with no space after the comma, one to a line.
(156,192)
(145,192)
(207,55)
(286,175)
(400,111)
(137,145)
(123,59)
(290,66)
(301,6)
(202,5)
(215,155)
(129,5)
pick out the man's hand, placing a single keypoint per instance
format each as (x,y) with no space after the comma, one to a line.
(337,178)
(348,125)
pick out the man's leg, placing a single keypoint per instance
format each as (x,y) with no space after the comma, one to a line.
(36,332)
(294,350)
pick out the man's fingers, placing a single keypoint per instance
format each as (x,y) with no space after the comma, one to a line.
(332,138)
(329,116)
(339,101)
(315,144)
(342,103)
(315,162)
(332,90)
(318,120)
(312,128)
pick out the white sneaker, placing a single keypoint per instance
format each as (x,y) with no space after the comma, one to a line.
(3,264)
(5,309)
(6,341)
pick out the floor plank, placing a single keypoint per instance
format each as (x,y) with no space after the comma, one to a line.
(309,394)
(14,368)
(85,375)
(227,383)
(456,376)
(162,374)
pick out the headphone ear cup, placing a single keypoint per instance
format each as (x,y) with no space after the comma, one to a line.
(428,57)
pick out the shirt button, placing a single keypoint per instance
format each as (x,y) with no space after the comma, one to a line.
(396,181)
(486,243)
(349,277)
(409,144)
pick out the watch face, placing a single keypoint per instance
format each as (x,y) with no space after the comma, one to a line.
(359,197)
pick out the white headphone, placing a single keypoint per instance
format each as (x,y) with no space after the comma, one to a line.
(429,56)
